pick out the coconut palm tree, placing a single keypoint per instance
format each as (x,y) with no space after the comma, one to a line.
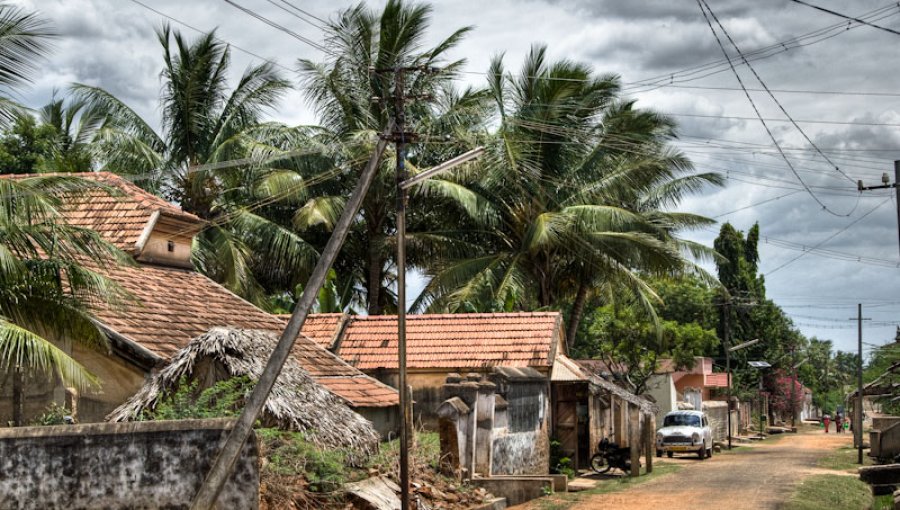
(48,277)
(205,125)
(24,38)
(572,199)
(342,89)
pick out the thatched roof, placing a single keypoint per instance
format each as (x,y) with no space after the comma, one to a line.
(297,401)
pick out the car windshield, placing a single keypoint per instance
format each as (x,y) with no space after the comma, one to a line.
(675,420)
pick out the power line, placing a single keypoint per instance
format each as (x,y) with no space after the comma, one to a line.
(267,21)
(803,121)
(829,11)
(829,238)
(791,91)
(701,4)
(200,31)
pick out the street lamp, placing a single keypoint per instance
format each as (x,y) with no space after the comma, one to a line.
(404,182)
(728,352)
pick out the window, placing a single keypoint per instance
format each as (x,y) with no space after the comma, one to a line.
(170,246)
(683,420)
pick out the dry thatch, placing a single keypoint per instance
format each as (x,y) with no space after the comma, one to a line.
(297,401)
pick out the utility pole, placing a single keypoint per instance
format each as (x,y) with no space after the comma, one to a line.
(400,137)
(858,406)
(793,388)
(886,184)
(726,333)
(224,463)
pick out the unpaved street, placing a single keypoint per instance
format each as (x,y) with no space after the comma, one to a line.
(757,479)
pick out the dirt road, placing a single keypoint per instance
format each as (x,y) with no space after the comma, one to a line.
(757,479)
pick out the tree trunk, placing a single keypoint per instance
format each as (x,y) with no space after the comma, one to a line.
(577,312)
(375,277)
(18,397)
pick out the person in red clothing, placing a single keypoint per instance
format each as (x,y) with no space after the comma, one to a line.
(827,421)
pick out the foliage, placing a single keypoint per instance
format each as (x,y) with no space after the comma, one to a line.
(624,336)
(560,463)
(48,275)
(341,89)
(289,454)
(781,392)
(571,200)
(24,40)
(27,147)
(205,125)
(223,399)
(54,414)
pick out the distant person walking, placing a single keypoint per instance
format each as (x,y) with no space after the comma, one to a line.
(839,423)
(826,420)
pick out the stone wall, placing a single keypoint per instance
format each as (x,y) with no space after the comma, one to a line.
(142,465)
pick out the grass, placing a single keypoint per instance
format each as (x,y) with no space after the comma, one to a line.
(885,502)
(831,491)
(844,459)
(562,501)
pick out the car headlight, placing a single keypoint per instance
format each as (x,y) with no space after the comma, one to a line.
(695,438)
(659,436)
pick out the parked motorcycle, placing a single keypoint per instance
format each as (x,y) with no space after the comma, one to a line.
(610,455)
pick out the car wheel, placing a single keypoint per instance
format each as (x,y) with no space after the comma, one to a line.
(659,453)
(709,452)
(670,454)
(701,453)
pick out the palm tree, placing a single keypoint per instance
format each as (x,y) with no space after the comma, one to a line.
(342,90)
(24,40)
(204,126)
(48,277)
(571,200)
(74,126)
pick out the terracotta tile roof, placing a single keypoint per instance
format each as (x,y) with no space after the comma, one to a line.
(453,340)
(175,305)
(120,219)
(322,328)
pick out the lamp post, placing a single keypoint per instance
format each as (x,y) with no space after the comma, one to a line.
(728,352)
(404,182)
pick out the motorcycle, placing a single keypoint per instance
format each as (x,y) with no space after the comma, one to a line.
(610,455)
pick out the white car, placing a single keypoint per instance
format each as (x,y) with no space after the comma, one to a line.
(685,431)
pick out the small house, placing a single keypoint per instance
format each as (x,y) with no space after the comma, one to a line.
(172,304)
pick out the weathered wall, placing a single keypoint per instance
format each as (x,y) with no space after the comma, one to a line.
(118,382)
(522,446)
(662,388)
(141,465)
(386,420)
(717,414)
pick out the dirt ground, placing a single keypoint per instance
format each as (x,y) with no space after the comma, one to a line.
(760,478)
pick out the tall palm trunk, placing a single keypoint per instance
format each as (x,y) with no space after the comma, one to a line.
(374,279)
(18,397)
(577,313)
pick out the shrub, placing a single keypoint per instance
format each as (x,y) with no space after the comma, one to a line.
(54,414)
(224,399)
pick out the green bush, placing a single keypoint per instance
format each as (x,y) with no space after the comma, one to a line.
(560,463)
(224,399)
(290,454)
(54,414)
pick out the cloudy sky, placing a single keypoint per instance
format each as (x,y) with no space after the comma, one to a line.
(836,79)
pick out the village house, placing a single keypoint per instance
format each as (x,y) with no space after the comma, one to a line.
(539,392)
(172,304)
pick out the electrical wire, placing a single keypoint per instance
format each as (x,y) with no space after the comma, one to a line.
(200,31)
(829,11)
(280,28)
(829,238)
(701,4)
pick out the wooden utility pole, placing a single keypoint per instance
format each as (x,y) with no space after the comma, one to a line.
(857,426)
(243,427)
(793,388)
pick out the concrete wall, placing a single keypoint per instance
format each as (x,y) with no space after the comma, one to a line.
(662,388)
(717,413)
(521,444)
(118,381)
(386,420)
(142,465)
